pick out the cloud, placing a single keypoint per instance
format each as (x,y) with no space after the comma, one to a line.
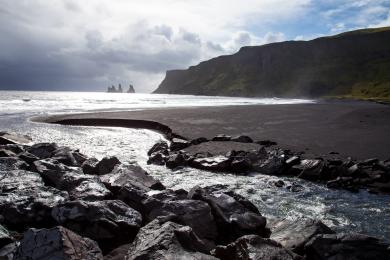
(90,44)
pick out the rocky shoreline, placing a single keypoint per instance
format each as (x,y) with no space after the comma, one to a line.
(57,203)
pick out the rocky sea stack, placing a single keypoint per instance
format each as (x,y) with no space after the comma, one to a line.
(57,203)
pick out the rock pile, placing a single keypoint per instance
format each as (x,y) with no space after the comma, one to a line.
(57,203)
(371,174)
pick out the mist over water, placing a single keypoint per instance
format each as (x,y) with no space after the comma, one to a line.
(342,210)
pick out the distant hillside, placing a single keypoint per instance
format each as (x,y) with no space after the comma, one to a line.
(354,64)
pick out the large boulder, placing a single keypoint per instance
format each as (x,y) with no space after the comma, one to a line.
(216,163)
(175,205)
(252,247)
(25,201)
(345,247)
(176,160)
(160,147)
(294,234)
(166,241)
(234,215)
(130,175)
(242,139)
(7,252)
(178,144)
(91,189)
(56,243)
(110,222)
(12,163)
(69,157)
(221,138)
(43,150)
(272,165)
(309,169)
(106,165)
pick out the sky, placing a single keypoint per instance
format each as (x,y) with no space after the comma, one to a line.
(91,44)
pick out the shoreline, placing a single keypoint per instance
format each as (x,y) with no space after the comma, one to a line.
(351,129)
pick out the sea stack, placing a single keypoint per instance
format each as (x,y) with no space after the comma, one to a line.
(131,89)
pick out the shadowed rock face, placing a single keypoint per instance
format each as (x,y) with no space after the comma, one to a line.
(56,243)
(343,64)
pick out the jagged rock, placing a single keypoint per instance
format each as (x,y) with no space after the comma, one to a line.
(178,144)
(7,153)
(15,148)
(222,138)
(216,163)
(294,187)
(242,139)
(169,240)
(309,169)
(56,243)
(252,247)
(5,237)
(346,246)
(65,155)
(119,253)
(157,159)
(89,166)
(160,147)
(52,171)
(106,165)
(91,189)
(43,150)
(16,138)
(199,140)
(28,157)
(235,216)
(279,183)
(175,205)
(134,196)
(267,143)
(110,222)
(176,160)
(4,141)
(12,163)
(294,234)
(25,201)
(273,165)
(130,175)
(240,165)
(293,160)
(7,252)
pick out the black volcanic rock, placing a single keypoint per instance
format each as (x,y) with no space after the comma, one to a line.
(345,247)
(164,241)
(252,247)
(334,65)
(56,243)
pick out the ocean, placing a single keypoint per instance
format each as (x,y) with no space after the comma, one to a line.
(342,210)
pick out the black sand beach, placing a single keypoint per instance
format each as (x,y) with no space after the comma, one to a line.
(351,128)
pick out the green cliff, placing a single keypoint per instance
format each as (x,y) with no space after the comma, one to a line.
(352,64)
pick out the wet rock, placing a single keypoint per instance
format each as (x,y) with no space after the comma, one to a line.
(28,157)
(346,246)
(52,171)
(178,144)
(273,165)
(110,222)
(4,141)
(242,139)
(157,159)
(160,147)
(175,205)
(176,160)
(6,153)
(89,166)
(293,160)
(294,234)
(279,183)
(5,237)
(234,215)
(199,140)
(168,240)
(309,169)
(25,201)
(216,163)
(240,165)
(56,243)
(65,155)
(294,187)
(106,165)
(252,247)
(369,162)
(7,252)
(12,163)
(267,143)
(92,189)
(134,196)
(43,150)
(15,138)
(15,148)
(130,175)
(222,138)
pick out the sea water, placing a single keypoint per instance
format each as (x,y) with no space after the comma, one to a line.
(342,210)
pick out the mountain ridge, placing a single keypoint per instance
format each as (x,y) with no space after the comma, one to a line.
(355,63)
